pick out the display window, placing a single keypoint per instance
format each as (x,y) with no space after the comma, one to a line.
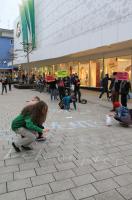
(117,64)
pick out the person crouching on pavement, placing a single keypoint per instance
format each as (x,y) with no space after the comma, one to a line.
(26,124)
(33,101)
(122,114)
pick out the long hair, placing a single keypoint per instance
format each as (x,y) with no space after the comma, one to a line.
(37,112)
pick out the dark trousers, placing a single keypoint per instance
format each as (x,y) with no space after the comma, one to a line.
(61,92)
(4,88)
(9,86)
(104,90)
(77,92)
(124,100)
(74,104)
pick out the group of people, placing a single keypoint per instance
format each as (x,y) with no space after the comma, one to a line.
(5,80)
(68,90)
(29,124)
(118,88)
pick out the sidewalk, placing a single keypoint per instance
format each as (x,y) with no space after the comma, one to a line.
(82,159)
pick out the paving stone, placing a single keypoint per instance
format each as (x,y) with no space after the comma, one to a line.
(30,165)
(105,185)
(103,174)
(117,162)
(84,191)
(128,159)
(101,165)
(124,179)
(110,195)
(37,191)
(24,174)
(48,162)
(2,188)
(14,161)
(1,163)
(6,177)
(39,198)
(38,180)
(65,166)
(4,170)
(66,195)
(45,170)
(121,170)
(14,195)
(84,179)
(19,184)
(83,170)
(126,191)
(63,174)
(62,185)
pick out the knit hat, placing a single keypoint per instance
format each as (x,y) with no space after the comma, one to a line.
(116,104)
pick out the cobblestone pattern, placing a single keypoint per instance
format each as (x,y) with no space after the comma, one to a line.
(89,162)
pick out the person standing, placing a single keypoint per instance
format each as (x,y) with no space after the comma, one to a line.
(104,84)
(9,82)
(125,87)
(114,87)
(77,88)
(4,84)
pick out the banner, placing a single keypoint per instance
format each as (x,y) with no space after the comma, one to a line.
(62,74)
(27,13)
(122,76)
(49,78)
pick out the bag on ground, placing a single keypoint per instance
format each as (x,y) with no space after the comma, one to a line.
(61,104)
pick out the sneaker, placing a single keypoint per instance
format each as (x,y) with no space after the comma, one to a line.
(15,147)
(27,148)
(40,138)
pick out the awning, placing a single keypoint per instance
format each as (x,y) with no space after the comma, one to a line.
(5,67)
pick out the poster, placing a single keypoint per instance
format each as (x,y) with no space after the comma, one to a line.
(62,74)
(122,76)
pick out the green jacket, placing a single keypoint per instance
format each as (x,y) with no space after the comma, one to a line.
(25,121)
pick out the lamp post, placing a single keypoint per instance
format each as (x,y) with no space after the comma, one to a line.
(27,47)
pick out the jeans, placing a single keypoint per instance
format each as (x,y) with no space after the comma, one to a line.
(4,88)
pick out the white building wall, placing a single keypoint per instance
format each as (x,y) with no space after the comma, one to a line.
(68,26)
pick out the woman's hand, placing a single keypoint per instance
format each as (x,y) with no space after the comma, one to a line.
(45,131)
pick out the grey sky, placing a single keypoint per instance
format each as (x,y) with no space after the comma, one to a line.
(9,10)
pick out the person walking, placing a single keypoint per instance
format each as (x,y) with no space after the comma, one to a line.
(104,84)
(4,84)
(125,87)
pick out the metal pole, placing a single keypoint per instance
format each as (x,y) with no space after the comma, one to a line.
(131,68)
(28,66)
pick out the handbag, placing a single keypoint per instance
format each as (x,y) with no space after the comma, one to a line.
(61,104)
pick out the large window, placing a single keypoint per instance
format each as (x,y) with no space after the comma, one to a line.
(117,64)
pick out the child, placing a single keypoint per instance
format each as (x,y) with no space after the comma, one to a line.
(66,101)
(26,124)
(73,100)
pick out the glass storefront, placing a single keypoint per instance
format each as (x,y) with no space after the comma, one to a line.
(118,64)
(90,72)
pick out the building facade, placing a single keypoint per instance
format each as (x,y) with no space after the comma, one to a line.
(87,37)
(6,47)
